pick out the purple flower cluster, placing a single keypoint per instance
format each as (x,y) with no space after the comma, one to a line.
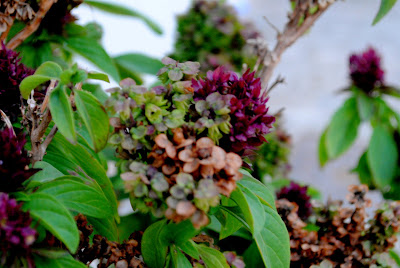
(15,230)
(12,72)
(249,116)
(297,194)
(14,162)
(365,70)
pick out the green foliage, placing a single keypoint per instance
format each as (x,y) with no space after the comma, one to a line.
(385,7)
(55,217)
(124,11)
(212,257)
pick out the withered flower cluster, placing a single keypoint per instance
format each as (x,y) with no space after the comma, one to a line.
(182,143)
(184,177)
(341,235)
(14,9)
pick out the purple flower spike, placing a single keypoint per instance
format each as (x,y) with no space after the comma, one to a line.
(365,70)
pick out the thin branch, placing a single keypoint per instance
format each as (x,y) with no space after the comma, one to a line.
(47,97)
(32,26)
(293,31)
(278,32)
(278,81)
(49,138)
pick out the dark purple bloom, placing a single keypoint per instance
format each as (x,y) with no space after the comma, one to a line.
(297,194)
(14,162)
(12,72)
(249,114)
(16,235)
(365,70)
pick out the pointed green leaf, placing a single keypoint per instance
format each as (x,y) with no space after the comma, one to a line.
(342,131)
(212,257)
(322,151)
(385,7)
(92,51)
(124,11)
(105,227)
(139,63)
(30,83)
(229,224)
(52,214)
(365,106)
(179,260)
(382,156)
(98,76)
(95,118)
(78,196)
(251,207)
(66,261)
(154,250)
(61,111)
(50,69)
(189,247)
(273,241)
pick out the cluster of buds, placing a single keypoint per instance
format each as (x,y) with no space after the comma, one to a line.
(341,235)
(14,9)
(142,113)
(12,72)
(182,143)
(365,70)
(249,118)
(184,177)
(211,33)
(16,235)
(14,162)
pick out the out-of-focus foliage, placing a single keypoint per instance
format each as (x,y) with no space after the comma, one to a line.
(211,33)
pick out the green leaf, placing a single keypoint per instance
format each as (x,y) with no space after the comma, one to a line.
(97,91)
(52,253)
(30,83)
(154,250)
(229,224)
(386,6)
(49,69)
(395,256)
(251,207)
(189,247)
(95,118)
(78,196)
(124,11)
(66,261)
(46,174)
(95,53)
(266,195)
(382,156)
(212,257)
(273,241)
(105,227)
(139,63)
(179,260)
(342,131)
(98,76)
(178,233)
(252,257)
(127,73)
(62,113)
(75,159)
(364,173)
(52,214)
(365,106)
(322,151)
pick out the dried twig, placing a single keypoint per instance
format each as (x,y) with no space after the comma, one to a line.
(300,21)
(279,80)
(7,121)
(32,26)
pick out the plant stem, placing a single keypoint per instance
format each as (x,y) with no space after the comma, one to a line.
(32,26)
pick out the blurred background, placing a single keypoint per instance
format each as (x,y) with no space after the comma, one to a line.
(315,68)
